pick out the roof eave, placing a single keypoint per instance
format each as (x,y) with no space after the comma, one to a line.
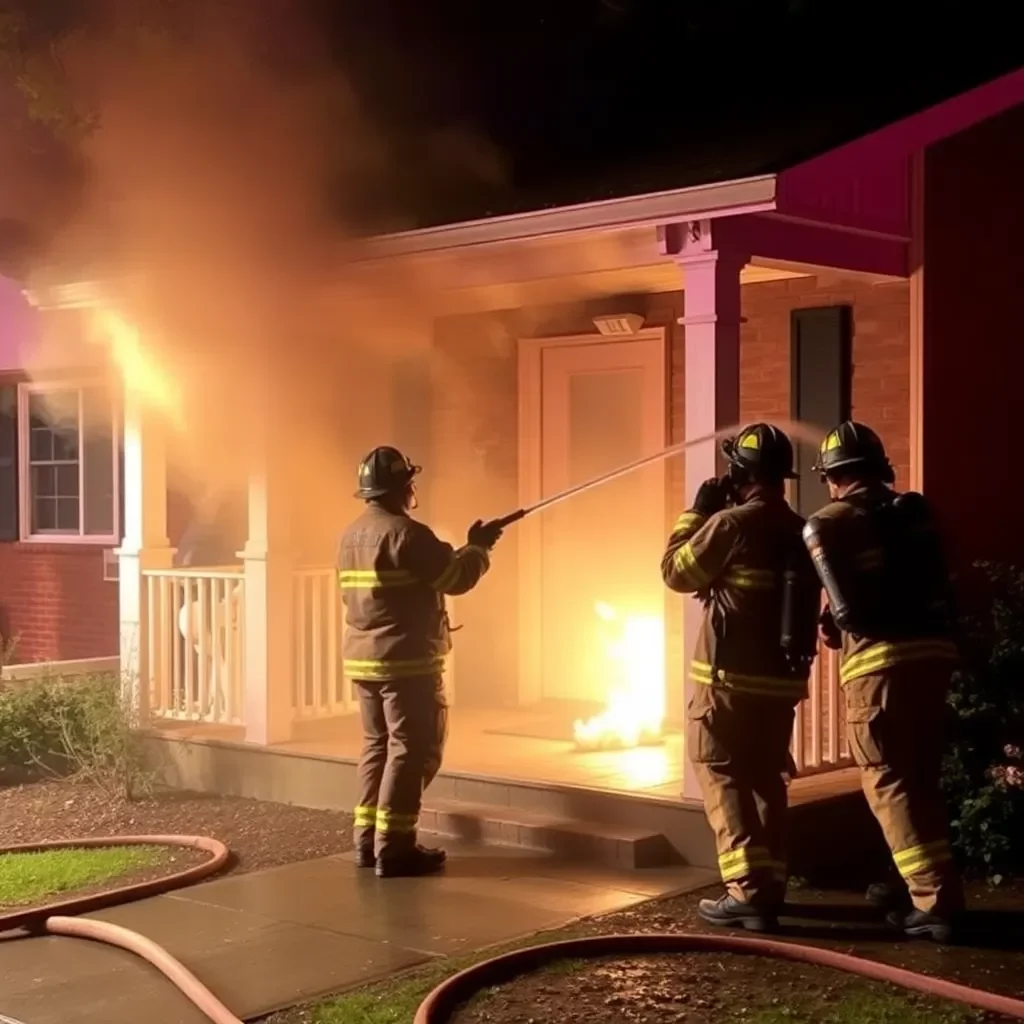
(720,199)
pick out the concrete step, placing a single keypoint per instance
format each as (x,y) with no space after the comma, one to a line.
(620,846)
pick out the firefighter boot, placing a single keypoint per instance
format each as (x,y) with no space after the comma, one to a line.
(729,911)
(420,860)
(920,924)
(365,857)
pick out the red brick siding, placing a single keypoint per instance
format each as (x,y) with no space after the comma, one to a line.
(55,602)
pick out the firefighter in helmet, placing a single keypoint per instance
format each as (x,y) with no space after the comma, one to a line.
(394,573)
(738,548)
(890,612)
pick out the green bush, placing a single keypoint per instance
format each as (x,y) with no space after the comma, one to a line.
(80,727)
(983,773)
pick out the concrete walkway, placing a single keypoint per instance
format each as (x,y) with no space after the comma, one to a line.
(276,938)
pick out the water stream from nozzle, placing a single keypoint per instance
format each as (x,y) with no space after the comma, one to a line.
(798,431)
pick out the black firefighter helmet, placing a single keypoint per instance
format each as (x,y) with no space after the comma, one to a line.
(384,471)
(761,452)
(853,447)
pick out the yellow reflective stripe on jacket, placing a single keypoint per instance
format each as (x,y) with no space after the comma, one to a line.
(745,861)
(688,521)
(382,669)
(366,579)
(685,563)
(761,686)
(364,816)
(389,821)
(742,578)
(919,858)
(885,655)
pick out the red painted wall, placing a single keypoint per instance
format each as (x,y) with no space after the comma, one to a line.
(973,338)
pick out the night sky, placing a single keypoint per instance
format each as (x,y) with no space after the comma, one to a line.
(587,99)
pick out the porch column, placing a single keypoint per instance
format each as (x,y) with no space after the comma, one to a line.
(144,542)
(711,370)
(269,635)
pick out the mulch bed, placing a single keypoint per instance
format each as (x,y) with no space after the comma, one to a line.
(702,989)
(259,834)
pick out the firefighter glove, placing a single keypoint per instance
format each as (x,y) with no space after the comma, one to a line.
(484,535)
(829,631)
(711,497)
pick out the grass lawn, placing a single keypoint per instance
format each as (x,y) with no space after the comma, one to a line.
(27,878)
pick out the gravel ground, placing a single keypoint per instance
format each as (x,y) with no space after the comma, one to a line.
(259,835)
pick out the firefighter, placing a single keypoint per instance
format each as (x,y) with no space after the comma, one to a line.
(890,612)
(394,574)
(739,549)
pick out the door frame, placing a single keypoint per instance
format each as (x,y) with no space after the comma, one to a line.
(531,435)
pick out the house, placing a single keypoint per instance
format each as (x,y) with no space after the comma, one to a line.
(877,279)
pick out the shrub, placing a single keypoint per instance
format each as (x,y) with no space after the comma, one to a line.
(983,772)
(80,727)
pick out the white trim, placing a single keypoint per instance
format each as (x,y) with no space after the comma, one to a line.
(717,199)
(79,384)
(530,448)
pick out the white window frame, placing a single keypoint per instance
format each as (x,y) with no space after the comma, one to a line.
(25,392)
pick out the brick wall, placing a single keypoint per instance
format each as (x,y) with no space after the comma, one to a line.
(54,599)
(881,353)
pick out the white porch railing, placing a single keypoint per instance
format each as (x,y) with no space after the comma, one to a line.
(194,643)
(819,739)
(319,688)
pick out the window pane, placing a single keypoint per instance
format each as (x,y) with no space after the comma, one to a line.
(67,481)
(65,444)
(44,514)
(38,412)
(44,481)
(40,444)
(98,444)
(67,515)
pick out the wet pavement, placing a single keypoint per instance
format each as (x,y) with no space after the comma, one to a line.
(287,935)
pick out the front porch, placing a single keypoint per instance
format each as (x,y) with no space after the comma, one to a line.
(621,352)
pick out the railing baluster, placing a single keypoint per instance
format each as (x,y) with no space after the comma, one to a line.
(194,643)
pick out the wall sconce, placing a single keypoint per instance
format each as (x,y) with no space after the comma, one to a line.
(619,325)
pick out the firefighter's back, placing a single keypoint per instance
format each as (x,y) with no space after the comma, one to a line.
(394,621)
(744,621)
(886,580)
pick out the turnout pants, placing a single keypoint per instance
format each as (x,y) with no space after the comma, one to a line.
(739,747)
(405,724)
(895,721)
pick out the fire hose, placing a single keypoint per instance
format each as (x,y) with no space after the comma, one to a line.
(64,918)
(604,478)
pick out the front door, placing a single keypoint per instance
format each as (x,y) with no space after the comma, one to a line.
(602,405)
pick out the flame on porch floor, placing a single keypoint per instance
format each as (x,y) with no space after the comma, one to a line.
(635,710)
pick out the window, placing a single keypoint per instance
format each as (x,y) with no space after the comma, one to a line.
(821,365)
(69,447)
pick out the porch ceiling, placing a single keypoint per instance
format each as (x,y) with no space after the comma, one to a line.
(559,270)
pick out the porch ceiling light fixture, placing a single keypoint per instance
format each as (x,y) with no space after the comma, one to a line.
(619,325)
